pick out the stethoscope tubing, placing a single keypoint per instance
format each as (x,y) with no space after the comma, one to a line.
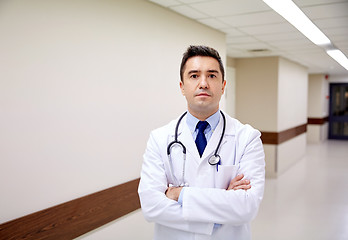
(176,137)
(183,146)
(222,135)
(176,141)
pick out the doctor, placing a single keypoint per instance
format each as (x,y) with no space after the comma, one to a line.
(184,189)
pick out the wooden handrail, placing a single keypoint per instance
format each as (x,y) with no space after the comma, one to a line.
(75,218)
(280,137)
(318,121)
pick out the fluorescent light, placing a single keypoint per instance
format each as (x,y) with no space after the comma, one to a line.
(339,57)
(288,10)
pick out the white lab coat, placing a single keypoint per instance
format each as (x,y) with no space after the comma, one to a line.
(205,201)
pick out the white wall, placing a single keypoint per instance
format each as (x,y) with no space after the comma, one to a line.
(290,152)
(318,106)
(82,83)
(292,94)
(317,133)
(338,78)
(292,111)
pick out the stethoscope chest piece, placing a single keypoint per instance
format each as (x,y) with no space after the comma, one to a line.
(215,159)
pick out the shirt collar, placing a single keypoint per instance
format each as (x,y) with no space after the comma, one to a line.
(192,121)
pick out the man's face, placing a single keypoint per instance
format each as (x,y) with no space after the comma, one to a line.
(202,86)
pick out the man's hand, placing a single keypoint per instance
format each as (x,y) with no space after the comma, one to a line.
(236,183)
(173,193)
(239,183)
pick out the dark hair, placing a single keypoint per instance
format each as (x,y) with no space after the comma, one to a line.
(204,51)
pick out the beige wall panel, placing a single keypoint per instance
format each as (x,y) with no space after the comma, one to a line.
(318,90)
(325,101)
(315,95)
(230,91)
(256,92)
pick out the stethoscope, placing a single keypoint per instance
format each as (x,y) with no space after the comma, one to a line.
(213,160)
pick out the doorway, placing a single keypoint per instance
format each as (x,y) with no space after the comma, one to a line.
(338,118)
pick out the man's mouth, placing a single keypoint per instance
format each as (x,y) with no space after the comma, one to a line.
(203,94)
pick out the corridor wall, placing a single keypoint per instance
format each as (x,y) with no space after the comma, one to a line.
(82,84)
(271,95)
(318,108)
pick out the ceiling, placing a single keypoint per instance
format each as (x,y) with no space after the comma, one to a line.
(253,29)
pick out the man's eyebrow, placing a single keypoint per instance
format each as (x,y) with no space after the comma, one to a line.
(193,71)
(198,71)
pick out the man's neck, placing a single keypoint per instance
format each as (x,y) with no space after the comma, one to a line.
(201,115)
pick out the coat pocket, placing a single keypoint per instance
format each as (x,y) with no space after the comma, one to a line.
(225,175)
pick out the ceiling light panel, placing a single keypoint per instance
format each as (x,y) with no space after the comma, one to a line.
(331,22)
(288,10)
(233,32)
(295,35)
(251,46)
(166,3)
(228,7)
(193,1)
(303,3)
(339,57)
(262,18)
(299,44)
(237,40)
(327,11)
(337,31)
(323,61)
(214,23)
(268,29)
(343,46)
(189,12)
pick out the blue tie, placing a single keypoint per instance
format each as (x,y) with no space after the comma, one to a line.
(201,141)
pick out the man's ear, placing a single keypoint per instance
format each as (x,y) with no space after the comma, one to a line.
(223,86)
(182,88)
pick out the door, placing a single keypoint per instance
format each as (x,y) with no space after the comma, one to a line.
(338,118)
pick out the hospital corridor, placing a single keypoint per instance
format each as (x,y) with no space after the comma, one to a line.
(309,201)
(100,99)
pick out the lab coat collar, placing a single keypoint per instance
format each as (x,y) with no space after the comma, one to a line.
(185,136)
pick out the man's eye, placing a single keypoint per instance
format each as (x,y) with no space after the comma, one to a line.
(212,76)
(194,76)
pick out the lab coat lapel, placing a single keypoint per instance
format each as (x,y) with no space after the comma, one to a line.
(185,136)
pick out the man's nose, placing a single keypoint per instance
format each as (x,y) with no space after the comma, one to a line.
(203,82)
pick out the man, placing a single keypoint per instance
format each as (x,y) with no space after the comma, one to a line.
(188,197)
